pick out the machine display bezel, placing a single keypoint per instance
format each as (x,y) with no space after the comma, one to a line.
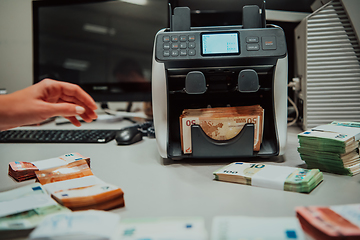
(220,53)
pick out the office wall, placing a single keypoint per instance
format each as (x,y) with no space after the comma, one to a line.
(15,44)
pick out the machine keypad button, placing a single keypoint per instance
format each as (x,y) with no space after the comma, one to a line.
(252,47)
(192,52)
(174,53)
(174,45)
(183,45)
(166,38)
(166,46)
(166,53)
(183,38)
(268,43)
(183,52)
(252,39)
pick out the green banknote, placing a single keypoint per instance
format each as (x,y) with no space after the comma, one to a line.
(327,141)
(24,207)
(270,176)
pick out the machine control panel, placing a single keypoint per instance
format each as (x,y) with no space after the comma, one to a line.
(215,44)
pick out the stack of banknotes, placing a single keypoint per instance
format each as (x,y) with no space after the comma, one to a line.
(332,148)
(270,176)
(330,222)
(221,123)
(22,171)
(74,186)
(23,208)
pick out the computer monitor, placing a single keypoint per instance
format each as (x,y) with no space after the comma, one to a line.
(105,46)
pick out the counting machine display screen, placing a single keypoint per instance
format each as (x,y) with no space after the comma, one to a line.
(220,43)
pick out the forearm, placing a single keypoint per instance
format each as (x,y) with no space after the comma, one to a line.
(7,114)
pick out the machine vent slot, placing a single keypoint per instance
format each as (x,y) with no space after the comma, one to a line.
(332,67)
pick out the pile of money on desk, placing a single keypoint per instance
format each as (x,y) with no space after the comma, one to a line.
(70,181)
(74,186)
(221,123)
(23,208)
(332,148)
(270,176)
(22,171)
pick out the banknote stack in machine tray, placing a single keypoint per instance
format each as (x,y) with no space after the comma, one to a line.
(74,186)
(222,123)
(332,147)
(22,171)
(270,176)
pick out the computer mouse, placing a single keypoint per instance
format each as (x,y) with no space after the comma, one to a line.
(128,135)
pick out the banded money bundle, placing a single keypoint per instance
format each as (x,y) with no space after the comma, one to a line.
(332,148)
(270,176)
(75,187)
(221,123)
(330,222)
(22,171)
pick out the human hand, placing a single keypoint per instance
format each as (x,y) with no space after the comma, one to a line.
(43,100)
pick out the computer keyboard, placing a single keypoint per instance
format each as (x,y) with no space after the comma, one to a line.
(57,136)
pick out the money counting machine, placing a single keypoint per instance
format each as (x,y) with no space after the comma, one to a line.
(220,66)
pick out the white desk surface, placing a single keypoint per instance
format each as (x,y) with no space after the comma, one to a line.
(156,187)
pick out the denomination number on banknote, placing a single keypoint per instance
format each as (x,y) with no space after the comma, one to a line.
(257,165)
(190,122)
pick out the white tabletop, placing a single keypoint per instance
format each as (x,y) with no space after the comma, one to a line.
(156,187)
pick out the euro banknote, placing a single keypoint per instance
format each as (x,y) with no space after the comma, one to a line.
(332,148)
(22,170)
(221,124)
(75,186)
(330,222)
(270,176)
(23,208)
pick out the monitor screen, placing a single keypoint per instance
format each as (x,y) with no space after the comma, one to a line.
(102,45)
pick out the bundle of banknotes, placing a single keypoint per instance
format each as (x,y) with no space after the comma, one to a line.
(74,186)
(22,171)
(23,208)
(221,123)
(332,148)
(270,176)
(330,222)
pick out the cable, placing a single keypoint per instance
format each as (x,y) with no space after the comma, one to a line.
(293,84)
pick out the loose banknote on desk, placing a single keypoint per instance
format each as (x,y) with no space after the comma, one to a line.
(270,176)
(75,187)
(331,222)
(221,123)
(21,170)
(163,228)
(256,228)
(89,225)
(23,208)
(332,148)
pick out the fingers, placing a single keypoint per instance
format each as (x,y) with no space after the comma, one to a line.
(68,92)
(70,111)
(74,121)
(78,94)
(90,113)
